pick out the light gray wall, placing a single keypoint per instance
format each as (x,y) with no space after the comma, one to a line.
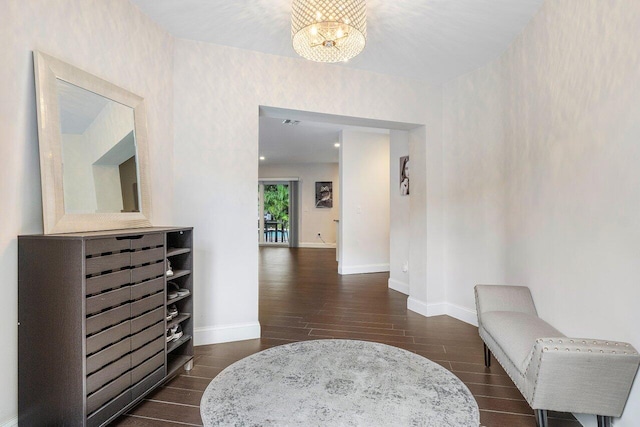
(427,207)
(542,155)
(112,40)
(427,294)
(474,184)
(312,220)
(364,217)
(398,215)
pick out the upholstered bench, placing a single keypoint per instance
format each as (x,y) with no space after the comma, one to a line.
(552,371)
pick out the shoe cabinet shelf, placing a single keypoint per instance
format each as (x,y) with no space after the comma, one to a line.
(180,283)
(94,330)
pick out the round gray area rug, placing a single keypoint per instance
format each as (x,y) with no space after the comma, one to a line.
(337,383)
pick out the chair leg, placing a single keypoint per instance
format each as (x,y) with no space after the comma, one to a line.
(604,421)
(541,418)
(487,356)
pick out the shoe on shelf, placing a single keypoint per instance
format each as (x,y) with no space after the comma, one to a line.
(172,311)
(169,270)
(170,335)
(176,331)
(172,290)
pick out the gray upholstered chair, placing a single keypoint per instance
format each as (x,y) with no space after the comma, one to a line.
(552,371)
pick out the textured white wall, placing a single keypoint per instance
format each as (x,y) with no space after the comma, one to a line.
(474,184)
(398,214)
(364,217)
(217,94)
(542,149)
(312,219)
(112,40)
(426,280)
(427,203)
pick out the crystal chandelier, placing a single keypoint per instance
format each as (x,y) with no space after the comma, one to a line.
(328,30)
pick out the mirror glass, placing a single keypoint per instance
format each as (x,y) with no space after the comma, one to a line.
(99,166)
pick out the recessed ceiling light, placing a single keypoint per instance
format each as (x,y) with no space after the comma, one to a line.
(337,144)
(261,157)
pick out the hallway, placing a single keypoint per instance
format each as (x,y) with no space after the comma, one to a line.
(303,298)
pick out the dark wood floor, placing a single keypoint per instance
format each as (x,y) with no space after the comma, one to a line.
(303,298)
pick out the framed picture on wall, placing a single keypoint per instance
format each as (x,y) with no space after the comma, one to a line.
(404,176)
(324,194)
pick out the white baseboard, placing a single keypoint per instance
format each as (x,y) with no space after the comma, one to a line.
(462,313)
(316,245)
(13,422)
(399,286)
(362,269)
(425,309)
(219,334)
(442,308)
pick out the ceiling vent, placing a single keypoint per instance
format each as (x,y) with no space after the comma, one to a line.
(290,122)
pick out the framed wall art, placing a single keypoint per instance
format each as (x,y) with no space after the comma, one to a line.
(324,194)
(404,176)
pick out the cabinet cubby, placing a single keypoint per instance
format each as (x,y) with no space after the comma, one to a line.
(180,254)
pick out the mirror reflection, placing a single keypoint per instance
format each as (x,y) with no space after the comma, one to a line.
(100,173)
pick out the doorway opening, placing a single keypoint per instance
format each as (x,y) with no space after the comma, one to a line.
(367,220)
(278,212)
(274,205)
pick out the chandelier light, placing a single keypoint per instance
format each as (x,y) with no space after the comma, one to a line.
(328,30)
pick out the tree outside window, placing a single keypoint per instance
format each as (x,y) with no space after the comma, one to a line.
(276,203)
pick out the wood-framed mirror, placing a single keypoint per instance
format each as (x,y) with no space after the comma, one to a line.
(93,151)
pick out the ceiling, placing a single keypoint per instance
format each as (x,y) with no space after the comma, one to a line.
(313,138)
(306,142)
(428,40)
(432,41)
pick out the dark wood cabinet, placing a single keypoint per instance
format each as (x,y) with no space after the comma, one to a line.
(102,321)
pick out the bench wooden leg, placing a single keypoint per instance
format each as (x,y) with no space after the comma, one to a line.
(541,418)
(604,421)
(487,356)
